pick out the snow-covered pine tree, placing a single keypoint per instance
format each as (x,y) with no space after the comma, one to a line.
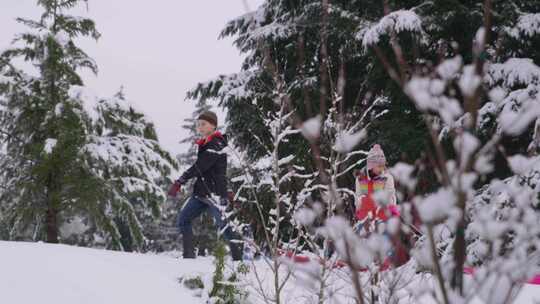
(62,173)
(291,32)
(441,68)
(45,129)
(509,116)
(124,152)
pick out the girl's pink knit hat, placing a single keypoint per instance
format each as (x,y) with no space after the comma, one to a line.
(375,157)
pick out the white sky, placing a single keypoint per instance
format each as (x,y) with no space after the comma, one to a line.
(156,49)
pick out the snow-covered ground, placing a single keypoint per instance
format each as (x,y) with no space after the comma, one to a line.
(44,273)
(59,274)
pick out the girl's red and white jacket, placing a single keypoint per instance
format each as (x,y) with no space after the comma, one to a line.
(367,187)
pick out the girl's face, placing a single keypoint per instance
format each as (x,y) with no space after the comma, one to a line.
(205,128)
(378,169)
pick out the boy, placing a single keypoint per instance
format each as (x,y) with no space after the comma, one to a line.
(210,189)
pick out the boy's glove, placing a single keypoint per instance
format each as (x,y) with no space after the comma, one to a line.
(175,188)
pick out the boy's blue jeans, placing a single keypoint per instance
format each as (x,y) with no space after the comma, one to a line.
(195,207)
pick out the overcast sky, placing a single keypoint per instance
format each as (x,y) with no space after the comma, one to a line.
(156,49)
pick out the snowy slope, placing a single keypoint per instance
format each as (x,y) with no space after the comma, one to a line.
(44,273)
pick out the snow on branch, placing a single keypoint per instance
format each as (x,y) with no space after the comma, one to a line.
(111,150)
(311,128)
(519,110)
(397,22)
(528,25)
(345,141)
(225,87)
(50,143)
(427,94)
(262,23)
(515,71)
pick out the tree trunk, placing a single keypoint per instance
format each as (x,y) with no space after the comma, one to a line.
(459,258)
(460,250)
(51,218)
(52,224)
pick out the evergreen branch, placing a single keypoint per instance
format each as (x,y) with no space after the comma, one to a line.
(10,135)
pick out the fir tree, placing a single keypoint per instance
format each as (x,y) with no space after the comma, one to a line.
(288,34)
(478,97)
(42,167)
(125,153)
(75,168)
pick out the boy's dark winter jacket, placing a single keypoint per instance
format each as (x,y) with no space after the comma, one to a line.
(210,169)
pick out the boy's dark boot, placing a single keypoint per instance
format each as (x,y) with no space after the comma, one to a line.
(189,248)
(237,250)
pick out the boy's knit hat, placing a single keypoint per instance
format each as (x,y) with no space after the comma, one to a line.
(209,116)
(375,157)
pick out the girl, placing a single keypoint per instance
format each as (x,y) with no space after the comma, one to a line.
(375,191)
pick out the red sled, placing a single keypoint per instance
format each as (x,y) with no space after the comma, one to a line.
(387,264)
(534,280)
(301,259)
